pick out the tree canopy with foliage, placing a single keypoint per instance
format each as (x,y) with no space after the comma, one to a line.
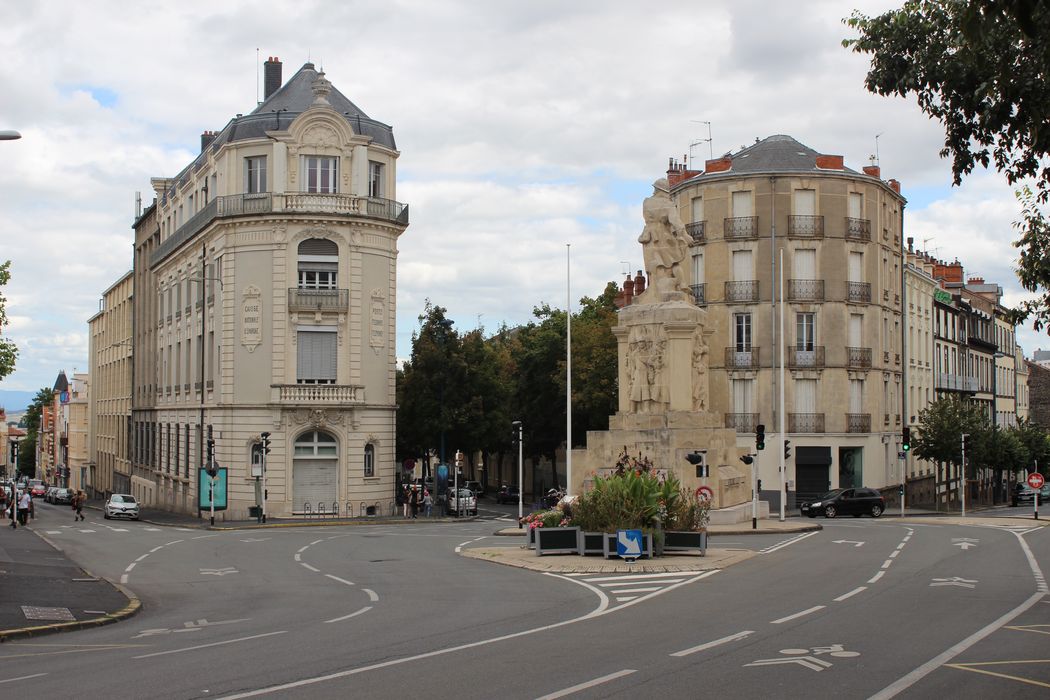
(941,425)
(8,350)
(980,68)
(27,450)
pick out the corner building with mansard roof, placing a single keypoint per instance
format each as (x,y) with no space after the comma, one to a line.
(840,233)
(265,288)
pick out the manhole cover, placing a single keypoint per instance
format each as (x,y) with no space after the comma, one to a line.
(33,612)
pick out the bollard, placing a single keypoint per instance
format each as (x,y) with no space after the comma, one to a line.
(306,509)
(349,509)
(335,509)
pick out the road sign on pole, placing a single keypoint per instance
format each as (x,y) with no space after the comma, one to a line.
(1036,480)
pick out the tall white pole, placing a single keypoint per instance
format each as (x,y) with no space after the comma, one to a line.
(962,477)
(783,436)
(568,374)
(521,485)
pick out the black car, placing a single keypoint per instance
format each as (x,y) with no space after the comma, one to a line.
(1023,493)
(507,494)
(855,502)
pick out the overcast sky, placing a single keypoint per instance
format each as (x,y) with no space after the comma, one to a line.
(523,127)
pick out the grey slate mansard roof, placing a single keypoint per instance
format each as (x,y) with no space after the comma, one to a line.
(293,98)
(778,153)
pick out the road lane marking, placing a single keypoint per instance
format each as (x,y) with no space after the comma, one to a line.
(788,543)
(634,577)
(213,644)
(143,556)
(876,577)
(340,580)
(123,578)
(855,591)
(648,589)
(353,614)
(131,566)
(298,556)
(311,568)
(715,643)
(798,615)
(460,546)
(22,678)
(894,553)
(372,595)
(667,580)
(886,564)
(588,684)
(1030,681)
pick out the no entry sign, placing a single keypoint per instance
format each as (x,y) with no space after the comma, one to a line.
(1035,480)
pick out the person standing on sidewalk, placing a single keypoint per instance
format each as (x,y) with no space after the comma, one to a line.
(413,502)
(25,503)
(428,502)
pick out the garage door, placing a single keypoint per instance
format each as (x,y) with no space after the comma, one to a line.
(313,482)
(811,481)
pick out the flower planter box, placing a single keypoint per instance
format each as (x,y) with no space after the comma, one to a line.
(685,541)
(609,546)
(592,543)
(557,540)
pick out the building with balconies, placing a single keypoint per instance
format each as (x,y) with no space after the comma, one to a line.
(779,215)
(265,288)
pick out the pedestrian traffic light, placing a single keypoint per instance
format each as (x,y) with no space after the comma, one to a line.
(787,449)
(211,450)
(760,437)
(265,442)
(906,439)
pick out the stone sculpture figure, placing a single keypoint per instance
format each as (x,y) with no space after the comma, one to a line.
(664,242)
(645,369)
(700,360)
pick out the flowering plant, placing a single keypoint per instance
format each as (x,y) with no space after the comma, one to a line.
(555,517)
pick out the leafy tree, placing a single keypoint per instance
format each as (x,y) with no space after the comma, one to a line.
(27,448)
(540,390)
(941,425)
(1036,444)
(594,358)
(979,67)
(8,350)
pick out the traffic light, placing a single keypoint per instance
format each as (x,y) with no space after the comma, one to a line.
(212,471)
(747,459)
(699,460)
(265,442)
(760,437)
(787,449)
(460,460)
(906,439)
(515,433)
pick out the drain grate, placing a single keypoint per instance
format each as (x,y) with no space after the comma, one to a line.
(33,612)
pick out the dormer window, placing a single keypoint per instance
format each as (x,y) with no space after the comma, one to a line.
(255,175)
(321,174)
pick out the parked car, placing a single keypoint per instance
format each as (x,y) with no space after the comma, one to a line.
(62,496)
(121,505)
(855,502)
(37,489)
(49,495)
(1023,493)
(507,494)
(465,501)
(475,487)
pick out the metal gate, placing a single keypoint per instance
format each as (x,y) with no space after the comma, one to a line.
(313,482)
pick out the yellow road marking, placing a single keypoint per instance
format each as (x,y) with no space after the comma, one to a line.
(1029,681)
(1030,628)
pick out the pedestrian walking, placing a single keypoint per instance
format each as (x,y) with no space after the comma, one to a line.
(413,501)
(404,501)
(428,502)
(25,503)
(78,505)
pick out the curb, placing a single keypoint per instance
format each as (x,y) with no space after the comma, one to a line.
(809,527)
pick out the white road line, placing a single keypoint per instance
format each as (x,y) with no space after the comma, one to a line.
(648,589)
(52,532)
(797,615)
(312,544)
(372,595)
(298,557)
(635,577)
(886,564)
(625,598)
(130,566)
(168,544)
(855,591)
(340,580)
(666,580)
(788,543)
(876,577)
(901,545)
(311,568)
(22,678)
(717,642)
(155,549)
(303,549)
(353,614)
(205,646)
(894,553)
(462,544)
(143,556)
(589,684)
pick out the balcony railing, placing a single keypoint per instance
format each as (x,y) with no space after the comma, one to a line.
(858,229)
(696,231)
(800,358)
(956,382)
(805,226)
(858,422)
(699,293)
(316,393)
(858,291)
(805,422)
(805,290)
(741,227)
(742,422)
(741,359)
(858,357)
(742,291)
(318,299)
(297,202)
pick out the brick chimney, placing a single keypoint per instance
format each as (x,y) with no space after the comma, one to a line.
(949,272)
(873,170)
(639,283)
(719,165)
(271,76)
(830,162)
(206,138)
(975,280)
(677,172)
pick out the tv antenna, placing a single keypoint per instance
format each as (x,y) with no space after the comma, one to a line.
(875,158)
(697,142)
(626,266)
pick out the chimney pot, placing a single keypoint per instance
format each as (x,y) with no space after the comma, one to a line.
(271,77)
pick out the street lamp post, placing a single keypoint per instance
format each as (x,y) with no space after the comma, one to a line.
(521,514)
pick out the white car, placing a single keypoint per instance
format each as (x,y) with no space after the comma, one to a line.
(465,501)
(121,505)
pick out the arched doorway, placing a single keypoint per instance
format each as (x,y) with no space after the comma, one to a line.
(315,469)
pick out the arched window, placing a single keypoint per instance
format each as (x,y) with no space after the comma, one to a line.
(370,460)
(318,264)
(256,459)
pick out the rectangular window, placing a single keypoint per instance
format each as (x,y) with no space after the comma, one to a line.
(698,268)
(856,205)
(805,331)
(697,208)
(856,396)
(313,276)
(321,174)
(317,356)
(742,205)
(742,393)
(804,264)
(805,396)
(255,174)
(855,270)
(805,202)
(742,332)
(375,179)
(742,267)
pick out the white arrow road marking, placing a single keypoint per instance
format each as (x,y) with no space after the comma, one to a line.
(855,543)
(954,581)
(963,545)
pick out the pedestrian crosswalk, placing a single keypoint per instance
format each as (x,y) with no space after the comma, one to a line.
(625,588)
(88,530)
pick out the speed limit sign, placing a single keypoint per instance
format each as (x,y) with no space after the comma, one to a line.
(1036,480)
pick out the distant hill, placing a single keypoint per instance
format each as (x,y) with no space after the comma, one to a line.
(16,401)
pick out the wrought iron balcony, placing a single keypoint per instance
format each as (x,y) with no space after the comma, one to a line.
(300,299)
(316,393)
(696,231)
(741,359)
(858,229)
(699,294)
(805,226)
(801,358)
(858,422)
(805,290)
(742,291)
(858,291)
(805,422)
(858,357)
(741,227)
(742,422)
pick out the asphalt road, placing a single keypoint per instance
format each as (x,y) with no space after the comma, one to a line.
(864,608)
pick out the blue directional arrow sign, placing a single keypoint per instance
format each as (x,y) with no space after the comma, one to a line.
(629,544)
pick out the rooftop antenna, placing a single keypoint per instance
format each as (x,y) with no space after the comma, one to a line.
(924,242)
(626,266)
(257,102)
(877,161)
(697,142)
